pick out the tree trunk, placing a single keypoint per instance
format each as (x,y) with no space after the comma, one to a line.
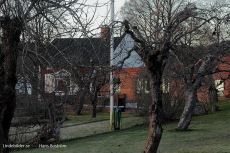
(155,114)
(212,92)
(34,80)
(80,102)
(11,29)
(94,107)
(52,117)
(190,104)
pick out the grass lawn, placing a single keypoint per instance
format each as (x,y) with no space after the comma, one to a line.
(206,134)
(93,128)
(75,119)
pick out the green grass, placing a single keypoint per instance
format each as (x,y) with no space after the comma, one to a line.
(93,128)
(206,134)
(73,119)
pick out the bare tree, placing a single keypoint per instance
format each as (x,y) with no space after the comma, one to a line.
(200,59)
(18,19)
(160,30)
(99,79)
(11,37)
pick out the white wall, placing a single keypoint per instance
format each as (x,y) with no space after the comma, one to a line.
(122,51)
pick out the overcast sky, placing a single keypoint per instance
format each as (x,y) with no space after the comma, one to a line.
(104,10)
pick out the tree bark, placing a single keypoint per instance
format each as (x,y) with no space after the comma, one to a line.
(212,92)
(93,100)
(94,106)
(190,104)
(11,29)
(80,102)
(155,113)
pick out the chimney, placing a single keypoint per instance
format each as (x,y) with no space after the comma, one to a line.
(105,32)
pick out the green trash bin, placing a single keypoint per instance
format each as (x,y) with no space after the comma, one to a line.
(117,118)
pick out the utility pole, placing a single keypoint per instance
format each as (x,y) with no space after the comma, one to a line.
(111,65)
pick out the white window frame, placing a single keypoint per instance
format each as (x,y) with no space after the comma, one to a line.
(219,84)
(141,86)
(165,86)
(49,83)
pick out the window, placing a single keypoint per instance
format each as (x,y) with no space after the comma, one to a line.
(62,81)
(142,86)
(117,85)
(220,87)
(165,86)
(73,88)
(57,82)
(62,85)
(49,68)
(23,85)
(49,83)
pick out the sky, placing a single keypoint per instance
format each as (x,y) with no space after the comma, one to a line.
(104,10)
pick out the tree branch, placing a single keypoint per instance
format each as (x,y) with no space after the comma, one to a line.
(180,36)
(128,31)
(2,2)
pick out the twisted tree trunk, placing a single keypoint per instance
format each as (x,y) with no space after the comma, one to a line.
(190,105)
(155,113)
(11,29)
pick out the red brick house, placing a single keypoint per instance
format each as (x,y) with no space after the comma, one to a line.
(59,77)
(73,57)
(125,89)
(63,53)
(133,81)
(221,80)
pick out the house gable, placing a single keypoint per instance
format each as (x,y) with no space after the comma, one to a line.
(122,51)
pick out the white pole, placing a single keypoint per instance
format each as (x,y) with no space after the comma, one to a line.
(111,64)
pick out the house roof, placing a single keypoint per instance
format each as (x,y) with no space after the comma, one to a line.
(80,51)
